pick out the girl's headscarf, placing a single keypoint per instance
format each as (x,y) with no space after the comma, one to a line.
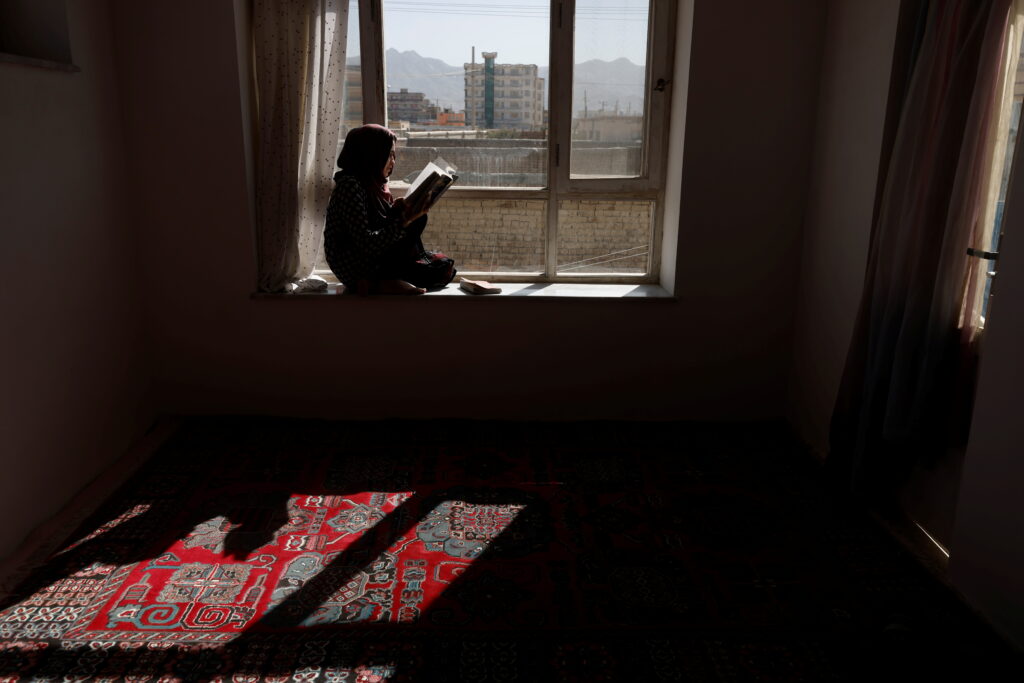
(364,155)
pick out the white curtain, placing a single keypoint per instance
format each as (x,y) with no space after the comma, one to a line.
(909,373)
(299,61)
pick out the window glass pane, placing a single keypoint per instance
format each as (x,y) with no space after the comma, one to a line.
(604,236)
(489,235)
(609,73)
(467,81)
(353,75)
(997,228)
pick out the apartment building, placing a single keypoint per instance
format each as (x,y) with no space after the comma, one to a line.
(503,95)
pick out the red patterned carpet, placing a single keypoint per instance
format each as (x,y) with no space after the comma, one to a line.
(461,551)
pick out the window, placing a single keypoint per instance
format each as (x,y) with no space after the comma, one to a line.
(1005,126)
(561,148)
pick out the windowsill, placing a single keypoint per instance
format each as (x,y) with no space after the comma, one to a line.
(536,290)
(562,290)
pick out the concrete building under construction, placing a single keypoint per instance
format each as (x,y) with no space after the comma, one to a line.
(503,95)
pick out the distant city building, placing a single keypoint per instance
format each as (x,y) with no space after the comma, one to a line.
(447,120)
(354,96)
(451,118)
(410,106)
(503,95)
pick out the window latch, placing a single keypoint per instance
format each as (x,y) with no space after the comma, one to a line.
(978,253)
(661,84)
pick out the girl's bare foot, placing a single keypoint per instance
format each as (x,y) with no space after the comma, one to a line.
(398,287)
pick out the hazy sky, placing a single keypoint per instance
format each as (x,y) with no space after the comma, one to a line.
(518,32)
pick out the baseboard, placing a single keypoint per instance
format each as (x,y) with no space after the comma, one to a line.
(49,536)
(916,541)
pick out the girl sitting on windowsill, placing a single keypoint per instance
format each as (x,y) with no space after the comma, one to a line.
(372,240)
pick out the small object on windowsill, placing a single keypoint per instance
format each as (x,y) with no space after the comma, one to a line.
(314,284)
(478,286)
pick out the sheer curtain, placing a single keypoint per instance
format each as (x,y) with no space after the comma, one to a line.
(299,62)
(911,360)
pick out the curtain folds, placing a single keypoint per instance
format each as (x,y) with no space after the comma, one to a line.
(901,394)
(299,63)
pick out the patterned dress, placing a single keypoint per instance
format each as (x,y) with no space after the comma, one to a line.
(359,231)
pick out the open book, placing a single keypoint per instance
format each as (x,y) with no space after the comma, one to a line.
(436,177)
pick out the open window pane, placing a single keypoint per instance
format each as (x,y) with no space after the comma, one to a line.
(609,76)
(604,236)
(997,227)
(490,235)
(1011,143)
(977,298)
(467,81)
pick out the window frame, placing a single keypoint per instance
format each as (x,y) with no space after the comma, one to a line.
(649,185)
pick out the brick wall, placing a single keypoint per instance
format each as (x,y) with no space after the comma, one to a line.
(603,236)
(508,235)
(489,235)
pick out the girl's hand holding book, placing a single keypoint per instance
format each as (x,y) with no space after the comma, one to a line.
(411,211)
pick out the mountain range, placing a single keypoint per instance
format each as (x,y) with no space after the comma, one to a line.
(604,84)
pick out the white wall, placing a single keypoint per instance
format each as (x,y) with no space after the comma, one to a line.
(859,42)
(71,353)
(720,351)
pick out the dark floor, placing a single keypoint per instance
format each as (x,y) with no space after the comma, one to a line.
(640,552)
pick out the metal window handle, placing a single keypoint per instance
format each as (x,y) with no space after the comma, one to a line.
(978,253)
(661,84)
